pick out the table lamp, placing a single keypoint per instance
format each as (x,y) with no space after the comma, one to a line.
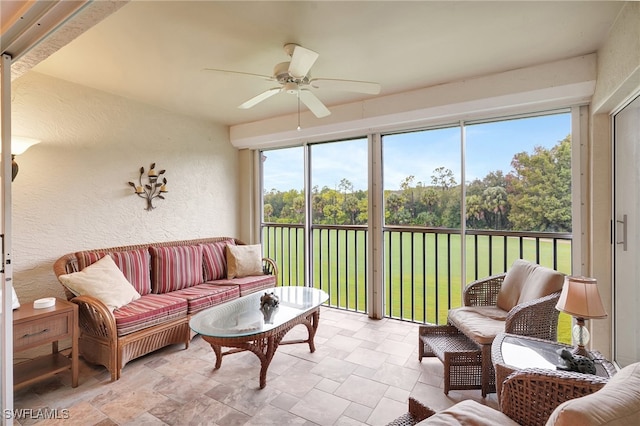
(580,299)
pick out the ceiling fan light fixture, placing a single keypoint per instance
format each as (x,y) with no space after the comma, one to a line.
(291,88)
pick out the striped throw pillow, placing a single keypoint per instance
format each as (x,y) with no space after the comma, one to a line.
(134,264)
(175,268)
(215,261)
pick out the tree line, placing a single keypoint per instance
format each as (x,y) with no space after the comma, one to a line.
(535,195)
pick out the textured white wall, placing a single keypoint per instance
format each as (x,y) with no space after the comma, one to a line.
(72,192)
(619,61)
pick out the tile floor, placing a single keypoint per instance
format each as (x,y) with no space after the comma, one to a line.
(361,373)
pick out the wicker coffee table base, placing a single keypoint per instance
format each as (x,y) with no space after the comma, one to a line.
(264,345)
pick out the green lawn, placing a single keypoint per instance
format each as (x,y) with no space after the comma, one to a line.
(422,272)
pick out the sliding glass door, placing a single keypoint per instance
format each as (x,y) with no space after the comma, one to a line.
(452,204)
(339,218)
(422,232)
(626,319)
(284,209)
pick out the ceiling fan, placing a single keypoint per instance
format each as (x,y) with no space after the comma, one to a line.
(294,78)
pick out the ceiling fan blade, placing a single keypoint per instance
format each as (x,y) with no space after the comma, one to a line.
(314,104)
(346,85)
(265,77)
(261,97)
(301,61)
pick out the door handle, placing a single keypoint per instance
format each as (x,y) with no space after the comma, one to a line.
(624,232)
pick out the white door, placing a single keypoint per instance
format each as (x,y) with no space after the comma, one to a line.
(626,320)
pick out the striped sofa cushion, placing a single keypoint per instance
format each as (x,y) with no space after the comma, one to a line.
(175,268)
(215,261)
(149,310)
(134,264)
(248,285)
(204,296)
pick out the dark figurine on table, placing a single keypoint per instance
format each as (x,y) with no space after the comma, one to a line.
(269,303)
(577,363)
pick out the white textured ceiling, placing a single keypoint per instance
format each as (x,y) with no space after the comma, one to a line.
(154,51)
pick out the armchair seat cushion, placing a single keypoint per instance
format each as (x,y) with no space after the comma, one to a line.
(480,323)
(468,413)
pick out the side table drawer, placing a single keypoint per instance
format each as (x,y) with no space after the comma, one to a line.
(34,333)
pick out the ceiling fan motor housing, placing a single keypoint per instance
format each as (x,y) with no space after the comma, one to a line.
(282,75)
(281,72)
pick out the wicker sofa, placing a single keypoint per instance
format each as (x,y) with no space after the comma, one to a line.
(171,281)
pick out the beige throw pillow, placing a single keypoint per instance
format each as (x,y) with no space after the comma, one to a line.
(244,261)
(104,281)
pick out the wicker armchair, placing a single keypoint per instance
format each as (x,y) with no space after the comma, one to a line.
(535,318)
(521,302)
(528,398)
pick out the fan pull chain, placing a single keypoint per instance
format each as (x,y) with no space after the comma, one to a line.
(299,109)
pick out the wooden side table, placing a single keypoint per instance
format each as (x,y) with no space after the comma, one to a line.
(37,327)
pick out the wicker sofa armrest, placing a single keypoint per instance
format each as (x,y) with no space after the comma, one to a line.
(483,292)
(529,396)
(66,264)
(269,267)
(536,318)
(95,318)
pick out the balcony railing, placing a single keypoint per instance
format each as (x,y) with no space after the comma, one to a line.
(422,266)
(339,256)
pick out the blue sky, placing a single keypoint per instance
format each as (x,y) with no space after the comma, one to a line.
(489,147)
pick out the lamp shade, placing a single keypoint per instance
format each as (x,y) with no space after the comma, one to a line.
(580,298)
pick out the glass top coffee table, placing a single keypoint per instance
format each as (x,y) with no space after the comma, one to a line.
(240,324)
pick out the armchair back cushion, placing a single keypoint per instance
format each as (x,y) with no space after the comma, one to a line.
(527,281)
(616,404)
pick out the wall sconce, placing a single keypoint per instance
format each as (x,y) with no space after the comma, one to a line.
(152,189)
(19,145)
